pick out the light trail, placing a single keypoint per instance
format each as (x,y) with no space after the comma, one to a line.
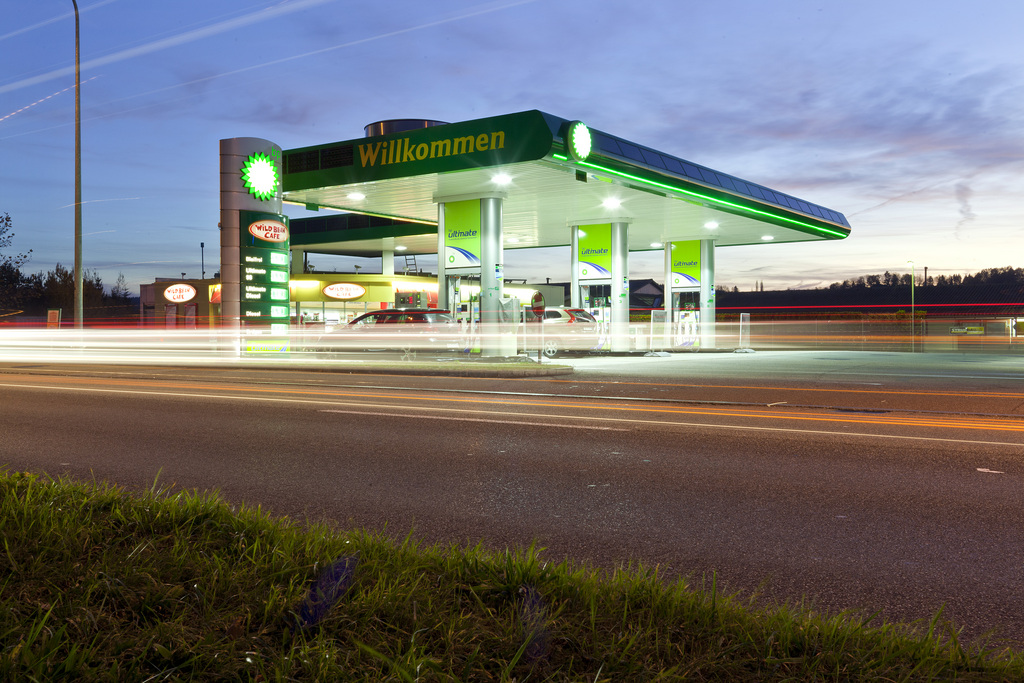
(547,416)
(773,387)
(326,395)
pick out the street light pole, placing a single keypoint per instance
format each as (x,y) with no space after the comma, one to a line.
(202,260)
(79,294)
(913,277)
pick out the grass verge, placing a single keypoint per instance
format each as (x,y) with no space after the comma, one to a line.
(97,584)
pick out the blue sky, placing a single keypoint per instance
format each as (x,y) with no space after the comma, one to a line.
(906,115)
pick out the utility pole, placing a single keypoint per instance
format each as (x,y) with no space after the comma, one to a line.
(79,294)
(912,321)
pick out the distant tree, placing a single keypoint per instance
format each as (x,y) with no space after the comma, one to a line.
(11,285)
(56,289)
(873,280)
(996,276)
(120,293)
(11,277)
(6,239)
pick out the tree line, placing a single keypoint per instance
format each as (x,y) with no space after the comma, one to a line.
(35,293)
(1006,276)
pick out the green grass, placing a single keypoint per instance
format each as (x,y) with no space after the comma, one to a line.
(97,584)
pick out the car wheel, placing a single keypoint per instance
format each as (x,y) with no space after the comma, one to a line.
(551,347)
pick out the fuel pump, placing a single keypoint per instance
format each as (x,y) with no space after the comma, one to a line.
(685,322)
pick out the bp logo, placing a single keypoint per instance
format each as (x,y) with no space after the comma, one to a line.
(580,141)
(260,176)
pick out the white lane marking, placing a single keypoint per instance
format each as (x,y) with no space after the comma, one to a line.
(702,425)
(988,471)
(478,419)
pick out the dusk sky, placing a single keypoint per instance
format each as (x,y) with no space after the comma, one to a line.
(905,115)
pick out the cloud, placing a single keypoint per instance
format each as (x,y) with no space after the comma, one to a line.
(963,197)
(172,41)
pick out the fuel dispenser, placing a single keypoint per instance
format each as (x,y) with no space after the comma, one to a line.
(685,324)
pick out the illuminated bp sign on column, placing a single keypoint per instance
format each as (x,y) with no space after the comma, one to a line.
(686,264)
(462,235)
(263,251)
(594,251)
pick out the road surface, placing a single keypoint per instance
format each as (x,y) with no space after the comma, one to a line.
(853,485)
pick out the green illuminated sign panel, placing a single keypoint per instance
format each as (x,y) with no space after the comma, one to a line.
(481,143)
(263,269)
(594,251)
(462,235)
(685,264)
(259,173)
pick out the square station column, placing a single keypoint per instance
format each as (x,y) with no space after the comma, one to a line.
(470,243)
(707,294)
(600,256)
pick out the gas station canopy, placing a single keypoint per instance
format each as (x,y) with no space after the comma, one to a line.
(551,174)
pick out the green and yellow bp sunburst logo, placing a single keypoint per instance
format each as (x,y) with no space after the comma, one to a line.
(260,176)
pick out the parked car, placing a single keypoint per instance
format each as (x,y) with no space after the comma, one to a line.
(564,329)
(408,329)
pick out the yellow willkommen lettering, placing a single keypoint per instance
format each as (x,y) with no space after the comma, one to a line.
(403,151)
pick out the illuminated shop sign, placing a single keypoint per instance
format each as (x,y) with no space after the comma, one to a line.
(180,293)
(344,290)
(269,231)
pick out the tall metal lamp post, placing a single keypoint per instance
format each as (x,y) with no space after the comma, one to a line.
(913,277)
(79,294)
(202,260)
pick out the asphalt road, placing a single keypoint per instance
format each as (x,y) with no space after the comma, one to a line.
(874,482)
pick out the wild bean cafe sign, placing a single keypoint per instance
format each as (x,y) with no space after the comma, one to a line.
(180,293)
(343,291)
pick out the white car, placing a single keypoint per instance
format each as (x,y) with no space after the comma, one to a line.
(565,329)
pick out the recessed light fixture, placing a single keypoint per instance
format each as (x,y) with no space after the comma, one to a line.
(501,179)
(657,245)
(767,238)
(711,225)
(356,196)
(612,203)
(512,240)
(401,248)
